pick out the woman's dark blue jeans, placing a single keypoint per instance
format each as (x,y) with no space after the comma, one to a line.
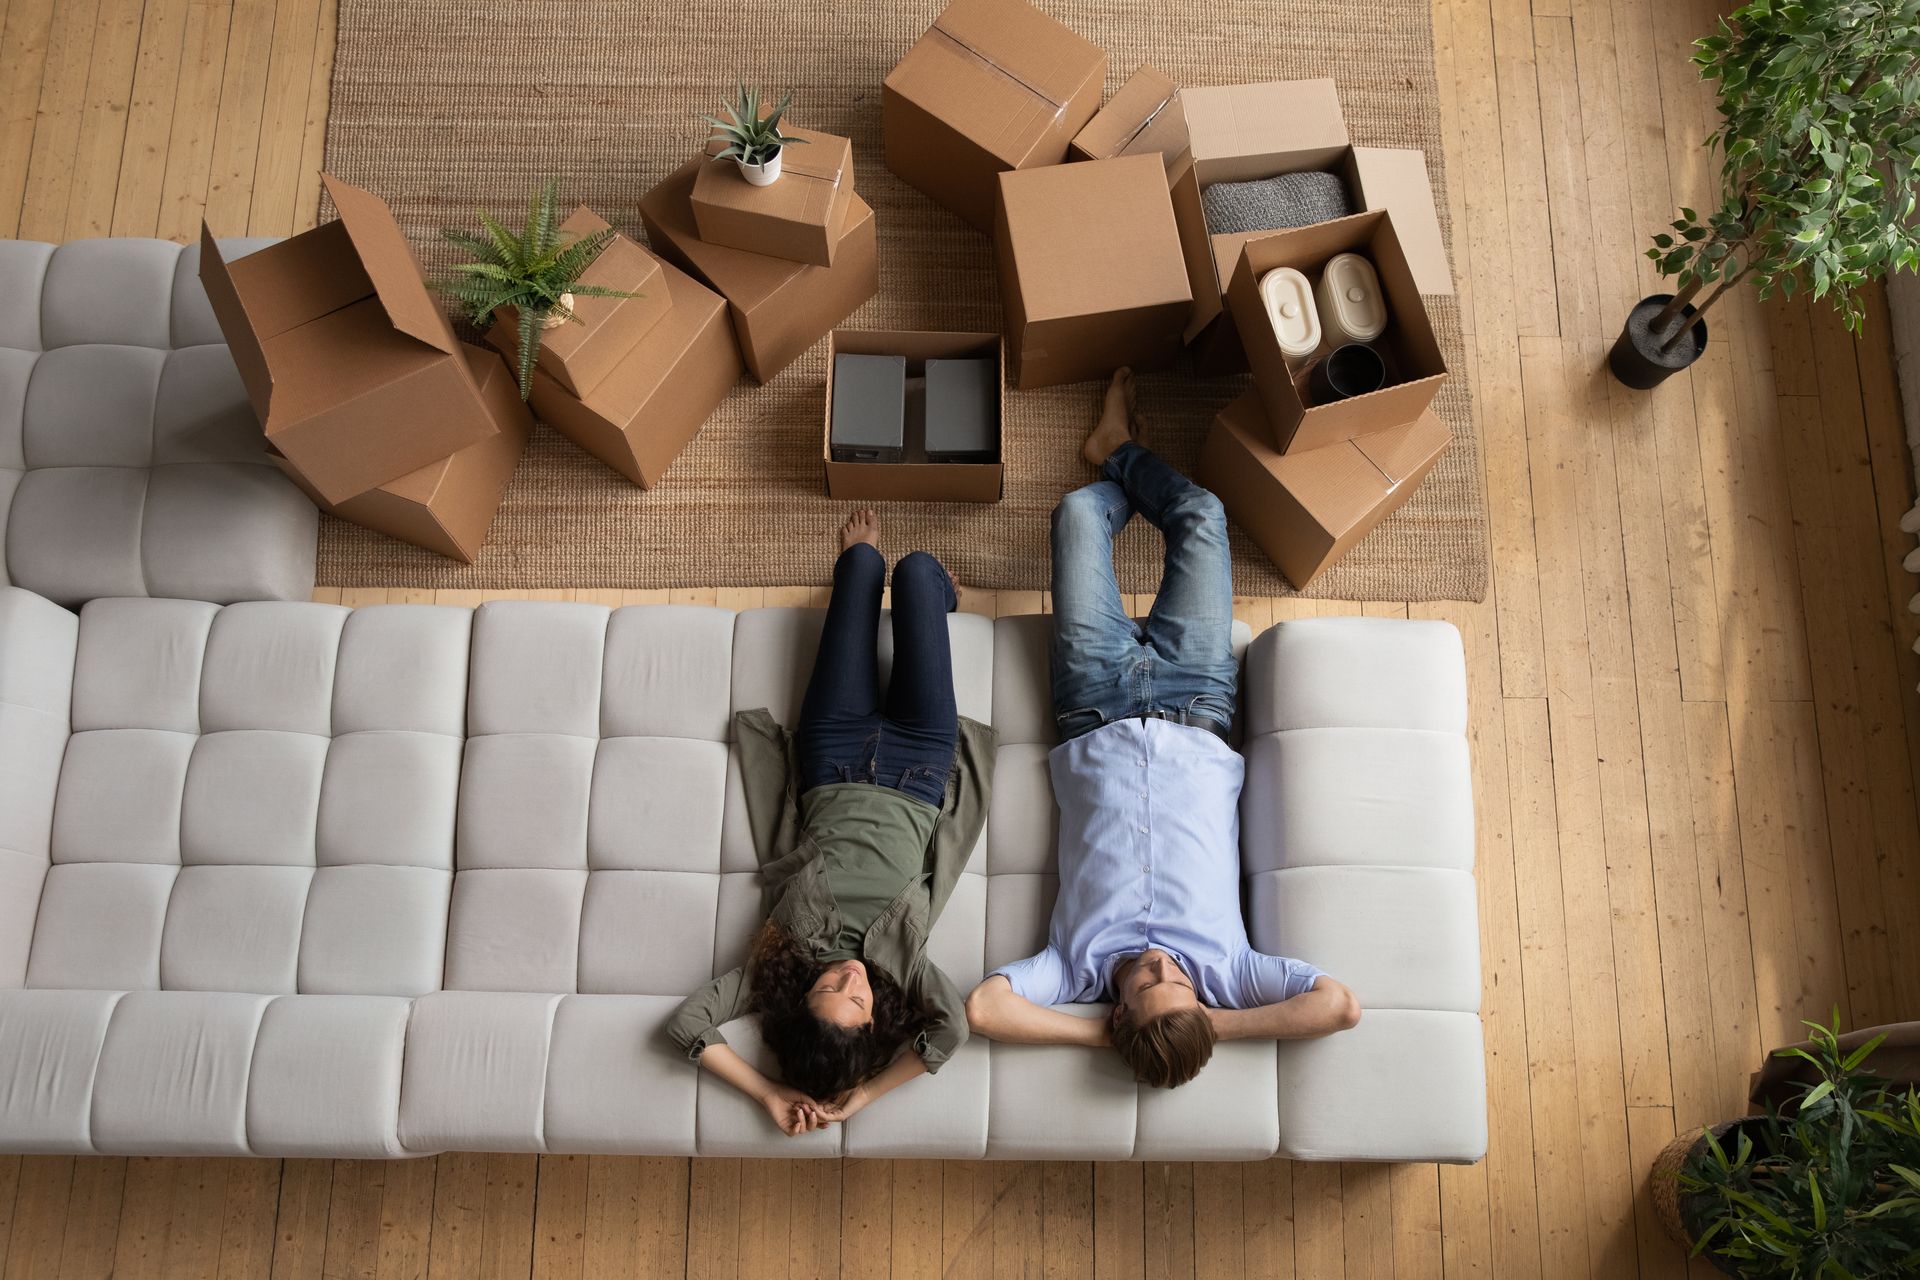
(847,732)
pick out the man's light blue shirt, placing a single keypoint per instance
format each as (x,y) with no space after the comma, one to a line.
(1150,857)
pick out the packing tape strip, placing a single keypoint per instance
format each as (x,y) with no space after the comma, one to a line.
(1144,125)
(819,176)
(1059,108)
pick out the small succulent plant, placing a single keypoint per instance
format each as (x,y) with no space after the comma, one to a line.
(746,135)
(533,271)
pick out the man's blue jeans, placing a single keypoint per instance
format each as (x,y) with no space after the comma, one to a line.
(1105,665)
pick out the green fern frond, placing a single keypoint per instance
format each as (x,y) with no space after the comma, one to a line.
(531,328)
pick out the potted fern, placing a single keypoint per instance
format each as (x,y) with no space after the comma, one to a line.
(1818,142)
(751,141)
(536,271)
(1825,1185)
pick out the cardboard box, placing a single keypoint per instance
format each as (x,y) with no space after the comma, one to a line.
(1237,133)
(993,85)
(1415,368)
(1306,510)
(779,308)
(352,369)
(1091,275)
(578,356)
(445,506)
(915,479)
(1146,117)
(656,400)
(801,217)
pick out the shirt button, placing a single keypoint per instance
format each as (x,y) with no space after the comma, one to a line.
(1143,831)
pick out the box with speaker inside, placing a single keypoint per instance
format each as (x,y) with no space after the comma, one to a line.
(914,416)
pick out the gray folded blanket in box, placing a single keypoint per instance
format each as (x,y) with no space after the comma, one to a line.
(1270,204)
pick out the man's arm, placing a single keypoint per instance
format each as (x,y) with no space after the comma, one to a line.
(1326,1008)
(995,1011)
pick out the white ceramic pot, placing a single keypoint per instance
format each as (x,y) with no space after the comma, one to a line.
(760,175)
(554,319)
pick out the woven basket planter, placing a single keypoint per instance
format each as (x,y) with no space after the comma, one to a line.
(1665,1187)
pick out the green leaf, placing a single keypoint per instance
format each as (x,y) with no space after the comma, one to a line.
(1818,1092)
(1860,1055)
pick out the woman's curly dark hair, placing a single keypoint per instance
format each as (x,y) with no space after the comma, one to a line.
(817,1057)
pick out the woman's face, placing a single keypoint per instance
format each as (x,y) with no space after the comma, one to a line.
(842,995)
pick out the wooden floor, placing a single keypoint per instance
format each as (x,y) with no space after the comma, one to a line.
(1694,727)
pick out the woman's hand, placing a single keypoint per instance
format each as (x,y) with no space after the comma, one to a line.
(845,1109)
(792,1111)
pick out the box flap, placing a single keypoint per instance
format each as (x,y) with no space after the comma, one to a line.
(1395,179)
(1246,121)
(1018,41)
(1091,238)
(1405,450)
(242,342)
(390,265)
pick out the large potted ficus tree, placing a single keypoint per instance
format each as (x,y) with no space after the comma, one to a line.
(1824,1186)
(1818,142)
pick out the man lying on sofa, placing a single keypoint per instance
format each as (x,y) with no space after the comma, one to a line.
(1148,913)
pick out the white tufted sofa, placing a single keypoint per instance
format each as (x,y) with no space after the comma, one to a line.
(292,879)
(131,463)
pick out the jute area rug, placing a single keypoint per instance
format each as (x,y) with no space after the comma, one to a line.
(445,106)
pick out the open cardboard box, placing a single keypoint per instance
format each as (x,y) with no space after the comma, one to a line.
(659,396)
(802,216)
(578,355)
(779,308)
(1415,368)
(993,85)
(445,506)
(1237,133)
(1090,274)
(914,479)
(351,367)
(1306,510)
(1146,117)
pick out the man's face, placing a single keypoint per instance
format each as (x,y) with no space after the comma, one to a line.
(1152,984)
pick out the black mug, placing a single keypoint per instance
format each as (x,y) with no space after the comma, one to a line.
(1352,370)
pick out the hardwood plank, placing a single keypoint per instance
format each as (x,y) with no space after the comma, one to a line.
(663,1215)
(248,1217)
(1366,1198)
(39,1217)
(866,1218)
(313,142)
(300,1242)
(23,60)
(1119,1222)
(9,1191)
(195,127)
(1319,1232)
(815,1247)
(283,117)
(917,1212)
(103,119)
(1017,1240)
(506,1248)
(1650,1129)
(142,155)
(966,1219)
(236,136)
(94,1206)
(1066,1219)
(355,1210)
(560,1217)
(1219,1219)
(713,1217)
(1535,306)
(1418,1252)
(146,1218)
(406,1218)
(459,1205)
(612,1246)
(1266,1196)
(57,124)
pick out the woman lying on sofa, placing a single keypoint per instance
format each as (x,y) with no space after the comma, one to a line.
(862,820)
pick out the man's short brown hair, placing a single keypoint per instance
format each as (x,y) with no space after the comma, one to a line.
(1168,1050)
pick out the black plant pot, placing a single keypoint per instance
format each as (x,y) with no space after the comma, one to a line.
(1637,358)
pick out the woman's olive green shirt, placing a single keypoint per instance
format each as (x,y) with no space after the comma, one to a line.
(796,892)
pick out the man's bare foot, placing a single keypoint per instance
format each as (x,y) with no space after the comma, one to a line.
(862,526)
(1118,423)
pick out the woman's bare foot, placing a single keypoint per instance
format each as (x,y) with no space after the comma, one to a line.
(1118,421)
(862,526)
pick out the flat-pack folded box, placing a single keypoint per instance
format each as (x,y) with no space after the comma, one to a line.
(446,506)
(993,85)
(1243,132)
(1306,510)
(1091,275)
(801,216)
(779,308)
(578,354)
(1415,368)
(967,416)
(660,394)
(351,367)
(1146,117)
